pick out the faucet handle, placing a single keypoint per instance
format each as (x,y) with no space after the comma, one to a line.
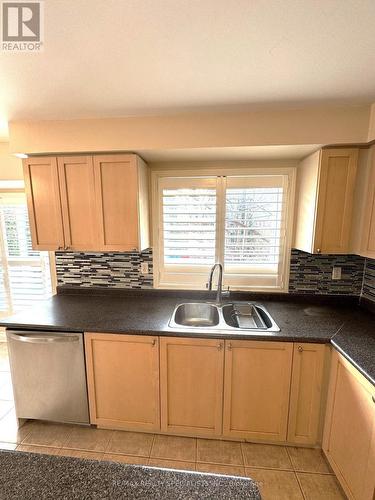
(226,292)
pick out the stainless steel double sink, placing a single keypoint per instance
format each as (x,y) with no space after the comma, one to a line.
(233,317)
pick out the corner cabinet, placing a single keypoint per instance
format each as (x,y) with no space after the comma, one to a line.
(97,203)
(307,393)
(368,229)
(325,186)
(123,381)
(256,389)
(349,433)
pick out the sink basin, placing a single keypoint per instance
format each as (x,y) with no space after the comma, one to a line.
(197,314)
(244,316)
(236,317)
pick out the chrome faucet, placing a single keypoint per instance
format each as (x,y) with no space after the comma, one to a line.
(219,282)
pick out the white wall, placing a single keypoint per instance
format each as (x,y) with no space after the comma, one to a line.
(10,165)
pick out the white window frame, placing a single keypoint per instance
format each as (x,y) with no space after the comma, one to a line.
(197,280)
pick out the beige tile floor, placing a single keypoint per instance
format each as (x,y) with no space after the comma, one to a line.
(281,472)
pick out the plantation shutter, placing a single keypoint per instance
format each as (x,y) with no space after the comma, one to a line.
(25,275)
(188,228)
(239,221)
(254,234)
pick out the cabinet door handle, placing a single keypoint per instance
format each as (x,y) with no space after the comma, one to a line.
(300,348)
(229,346)
(153,342)
(219,346)
(318,250)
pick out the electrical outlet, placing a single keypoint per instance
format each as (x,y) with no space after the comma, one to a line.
(144,267)
(336,273)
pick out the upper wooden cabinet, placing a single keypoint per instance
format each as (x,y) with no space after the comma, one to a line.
(325,186)
(368,228)
(349,431)
(256,389)
(122,202)
(43,201)
(77,192)
(88,202)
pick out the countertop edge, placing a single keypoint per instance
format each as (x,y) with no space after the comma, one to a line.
(351,360)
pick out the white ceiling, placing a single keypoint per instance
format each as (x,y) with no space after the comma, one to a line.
(124,57)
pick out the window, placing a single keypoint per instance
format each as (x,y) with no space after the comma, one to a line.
(240,221)
(24,273)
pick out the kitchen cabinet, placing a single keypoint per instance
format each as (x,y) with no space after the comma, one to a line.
(97,203)
(368,228)
(191,383)
(325,187)
(238,389)
(43,201)
(122,202)
(256,389)
(307,393)
(123,381)
(77,191)
(349,432)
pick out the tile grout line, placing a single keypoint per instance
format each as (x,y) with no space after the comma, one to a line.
(300,485)
(243,458)
(151,449)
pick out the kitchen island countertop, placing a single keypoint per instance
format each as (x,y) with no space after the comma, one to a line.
(30,475)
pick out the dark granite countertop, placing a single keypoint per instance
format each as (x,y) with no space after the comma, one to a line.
(339,320)
(356,341)
(30,476)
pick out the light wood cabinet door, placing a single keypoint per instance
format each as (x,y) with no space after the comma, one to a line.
(43,202)
(191,386)
(349,429)
(123,381)
(306,393)
(76,176)
(368,238)
(335,200)
(116,179)
(256,389)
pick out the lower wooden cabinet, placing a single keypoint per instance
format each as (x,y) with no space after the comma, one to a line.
(256,389)
(123,381)
(349,433)
(240,389)
(191,382)
(307,393)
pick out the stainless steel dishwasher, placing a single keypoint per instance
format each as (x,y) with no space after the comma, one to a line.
(48,375)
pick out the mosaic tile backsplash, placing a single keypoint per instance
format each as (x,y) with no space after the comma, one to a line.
(108,270)
(313,273)
(369,280)
(308,273)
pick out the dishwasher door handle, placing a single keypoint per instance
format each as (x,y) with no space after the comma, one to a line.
(43,339)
